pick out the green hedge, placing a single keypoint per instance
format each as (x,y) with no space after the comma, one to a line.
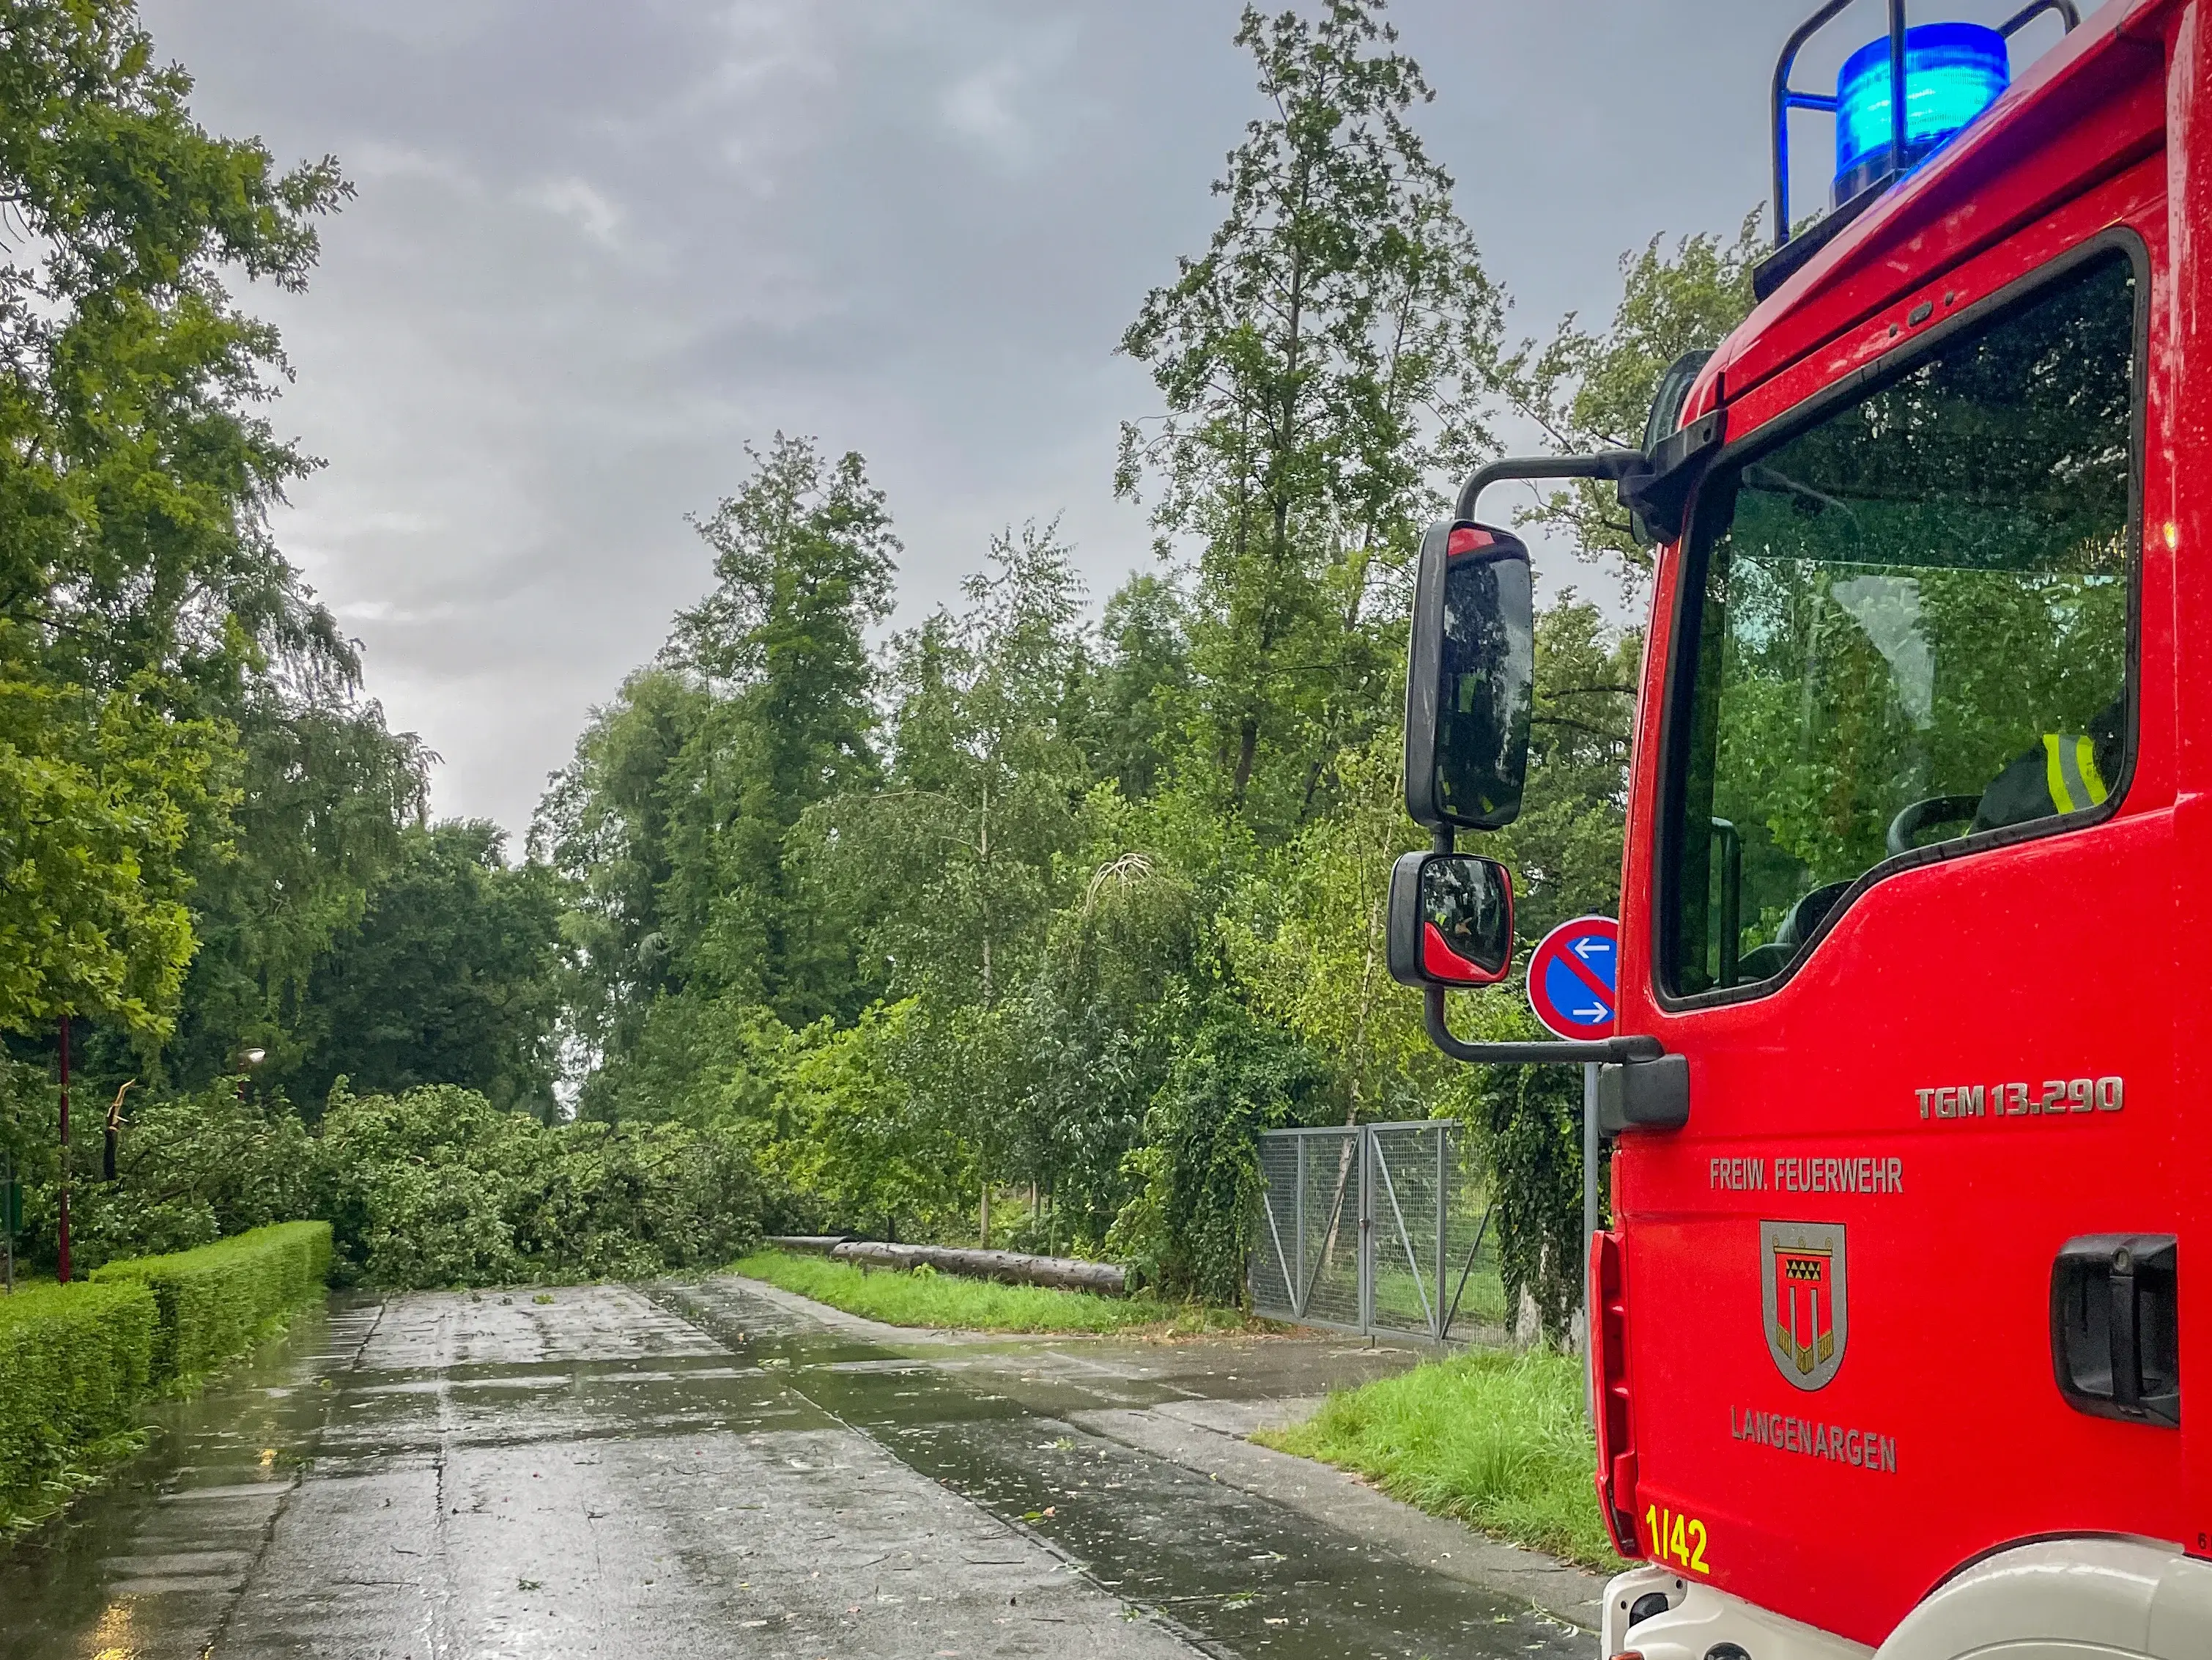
(214,1303)
(74,1361)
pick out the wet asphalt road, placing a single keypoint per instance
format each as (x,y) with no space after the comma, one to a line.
(704,1469)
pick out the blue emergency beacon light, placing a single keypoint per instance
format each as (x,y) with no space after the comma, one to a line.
(1953,72)
(1898,100)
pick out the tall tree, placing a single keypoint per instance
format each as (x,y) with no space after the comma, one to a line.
(804,559)
(950,872)
(139,589)
(1321,364)
(606,826)
(1139,688)
(325,792)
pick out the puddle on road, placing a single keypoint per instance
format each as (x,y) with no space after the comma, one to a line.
(1236,1572)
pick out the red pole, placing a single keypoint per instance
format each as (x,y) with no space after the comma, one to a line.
(62,1264)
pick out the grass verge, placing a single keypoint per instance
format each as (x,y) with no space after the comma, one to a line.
(950,1301)
(1496,1440)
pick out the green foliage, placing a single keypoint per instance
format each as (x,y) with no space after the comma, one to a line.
(950,1301)
(449,977)
(1496,1440)
(322,797)
(803,561)
(1188,1231)
(1139,684)
(99,797)
(950,870)
(1594,391)
(215,1302)
(438,1187)
(672,826)
(855,1134)
(1023,902)
(1315,956)
(608,826)
(75,1361)
(191,1170)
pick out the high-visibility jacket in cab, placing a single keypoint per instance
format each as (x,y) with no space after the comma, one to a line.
(2066,772)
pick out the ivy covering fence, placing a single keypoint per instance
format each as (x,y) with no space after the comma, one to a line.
(78,1363)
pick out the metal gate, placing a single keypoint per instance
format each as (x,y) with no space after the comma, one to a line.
(1370,1228)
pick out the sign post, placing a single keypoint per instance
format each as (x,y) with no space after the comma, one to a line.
(1572,980)
(11,1216)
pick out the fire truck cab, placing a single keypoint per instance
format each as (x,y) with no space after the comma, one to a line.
(1910,1106)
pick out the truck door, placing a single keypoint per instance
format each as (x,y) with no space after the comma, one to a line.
(1910,856)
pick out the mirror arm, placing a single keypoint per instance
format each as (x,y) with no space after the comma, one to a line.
(1615,1050)
(1608,464)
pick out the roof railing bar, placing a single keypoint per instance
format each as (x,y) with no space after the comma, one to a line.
(1897,86)
(2068,13)
(1785,100)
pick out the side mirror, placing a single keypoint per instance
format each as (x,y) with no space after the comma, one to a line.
(1451,921)
(1470,678)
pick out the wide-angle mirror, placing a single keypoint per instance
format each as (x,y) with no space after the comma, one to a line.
(1451,921)
(1471,679)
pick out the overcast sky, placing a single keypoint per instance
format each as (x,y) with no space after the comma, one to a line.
(600,244)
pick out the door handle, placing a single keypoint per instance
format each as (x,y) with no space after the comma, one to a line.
(2114,1327)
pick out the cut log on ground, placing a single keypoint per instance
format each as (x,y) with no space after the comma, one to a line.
(1061,1272)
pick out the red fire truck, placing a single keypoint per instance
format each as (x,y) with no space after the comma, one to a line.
(1889,1329)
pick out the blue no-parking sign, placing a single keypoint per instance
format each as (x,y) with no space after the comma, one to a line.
(1572,975)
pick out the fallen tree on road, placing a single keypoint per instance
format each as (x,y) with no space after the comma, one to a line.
(1012,1267)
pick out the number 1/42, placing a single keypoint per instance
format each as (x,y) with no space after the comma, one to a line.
(1677,1538)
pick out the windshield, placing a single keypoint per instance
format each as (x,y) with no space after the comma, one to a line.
(1907,623)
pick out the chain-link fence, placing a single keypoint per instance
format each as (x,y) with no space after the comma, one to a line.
(1375,1227)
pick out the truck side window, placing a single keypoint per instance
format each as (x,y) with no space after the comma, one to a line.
(1904,622)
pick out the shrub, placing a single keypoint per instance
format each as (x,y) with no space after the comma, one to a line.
(1532,1138)
(434,1225)
(632,1203)
(215,1302)
(74,1360)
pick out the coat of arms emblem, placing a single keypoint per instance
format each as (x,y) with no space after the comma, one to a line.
(1801,1295)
